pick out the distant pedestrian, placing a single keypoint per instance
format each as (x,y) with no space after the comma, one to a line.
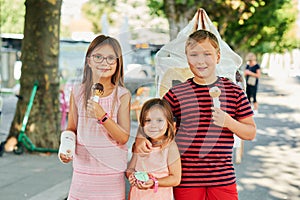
(206,123)
(153,176)
(252,74)
(100,125)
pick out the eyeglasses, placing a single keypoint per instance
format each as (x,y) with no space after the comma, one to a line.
(98,58)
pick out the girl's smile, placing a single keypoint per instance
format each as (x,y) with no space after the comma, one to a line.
(155,124)
(104,68)
(102,62)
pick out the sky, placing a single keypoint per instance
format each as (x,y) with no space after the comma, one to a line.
(125,16)
(71,8)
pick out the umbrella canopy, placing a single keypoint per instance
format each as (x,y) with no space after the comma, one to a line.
(171,63)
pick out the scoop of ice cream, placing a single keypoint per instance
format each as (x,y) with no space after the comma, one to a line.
(141,176)
(214,92)
(98,89)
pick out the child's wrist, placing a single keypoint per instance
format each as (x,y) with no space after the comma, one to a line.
(102,119)
(129,172)
(155,183)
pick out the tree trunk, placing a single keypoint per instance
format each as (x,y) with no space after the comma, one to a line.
(178,16)
(40,51)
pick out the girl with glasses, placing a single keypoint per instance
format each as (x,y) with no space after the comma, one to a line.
(100,126)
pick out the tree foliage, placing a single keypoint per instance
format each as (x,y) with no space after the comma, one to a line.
(256,25)
(12,16)
(94,9)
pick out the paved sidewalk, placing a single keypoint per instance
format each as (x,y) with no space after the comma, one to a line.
(270,169)
(29,176)
(33,177)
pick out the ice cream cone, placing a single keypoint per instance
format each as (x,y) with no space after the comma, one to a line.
(98,90)
(215,92)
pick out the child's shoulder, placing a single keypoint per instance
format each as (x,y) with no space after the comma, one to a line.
(230,85)
(173,151)
(77,88)
(227,81)
(123,91)
(173,144)
(182,85)
(170,144)
(123,88)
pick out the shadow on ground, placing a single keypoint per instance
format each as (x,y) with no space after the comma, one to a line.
(271,166)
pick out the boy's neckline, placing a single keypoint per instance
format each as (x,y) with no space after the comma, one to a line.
(212,83)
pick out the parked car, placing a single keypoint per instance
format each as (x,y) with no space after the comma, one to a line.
(140,68)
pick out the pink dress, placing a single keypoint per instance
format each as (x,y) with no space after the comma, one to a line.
(155,163)
(99,162)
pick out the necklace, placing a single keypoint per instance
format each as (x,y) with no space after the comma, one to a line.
(158,143)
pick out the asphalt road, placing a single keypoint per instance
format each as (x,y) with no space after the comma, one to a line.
(270,169)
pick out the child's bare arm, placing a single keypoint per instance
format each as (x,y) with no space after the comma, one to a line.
(72,115)
(141,145)
(131,169)
(119,131)
(131,165)
(174,166)
(243,128)
(72,127)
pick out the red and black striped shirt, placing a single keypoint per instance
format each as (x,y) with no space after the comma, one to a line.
(205,148)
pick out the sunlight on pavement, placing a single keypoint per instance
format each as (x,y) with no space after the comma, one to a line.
(279,171)
(276,150)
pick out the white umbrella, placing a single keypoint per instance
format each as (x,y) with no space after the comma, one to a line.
(172,66)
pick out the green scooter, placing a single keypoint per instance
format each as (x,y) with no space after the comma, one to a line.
(23,139)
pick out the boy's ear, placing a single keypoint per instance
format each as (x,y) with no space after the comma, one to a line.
(218,57)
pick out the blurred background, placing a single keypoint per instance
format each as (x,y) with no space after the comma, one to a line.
(267,28)
(46,41)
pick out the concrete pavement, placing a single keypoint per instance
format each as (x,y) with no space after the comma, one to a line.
(28,176)
(33,177)
(270,168)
